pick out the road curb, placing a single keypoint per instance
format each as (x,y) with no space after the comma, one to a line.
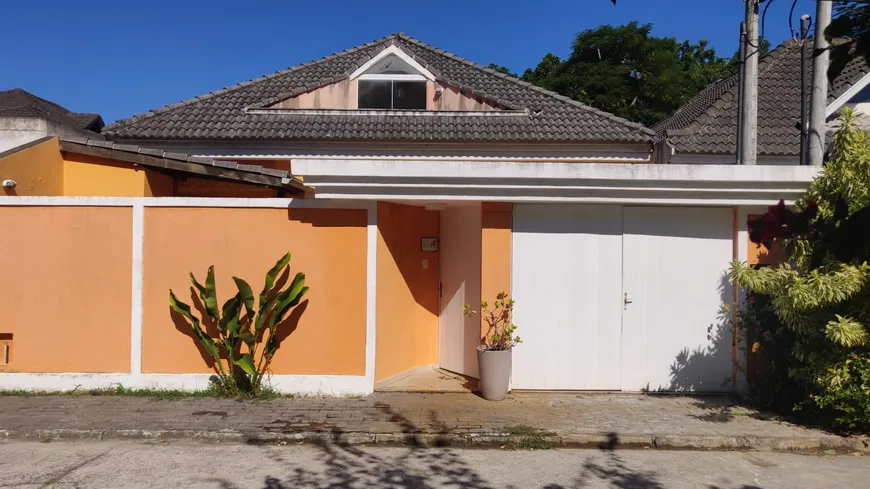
(481,440)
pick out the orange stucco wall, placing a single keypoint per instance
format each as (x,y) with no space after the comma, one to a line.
(85,175)
(328,245)
(407,290)
(204,187)
(38,170)
(761,255)
(66,288)
(495,244)
(158,184)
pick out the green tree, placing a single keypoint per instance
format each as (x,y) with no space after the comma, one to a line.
(629,72)
(822,294)
(501,69)
(548,65)
(852,22)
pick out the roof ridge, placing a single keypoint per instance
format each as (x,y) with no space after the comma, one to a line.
(608,115)
(230,88)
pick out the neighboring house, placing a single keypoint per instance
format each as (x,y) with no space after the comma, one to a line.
(705,129)
(81,167)
(24,117)
(437,183)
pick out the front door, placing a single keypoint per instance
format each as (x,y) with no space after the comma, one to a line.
(459,245)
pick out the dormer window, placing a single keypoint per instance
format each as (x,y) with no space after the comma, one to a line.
(392,94)
(392,81)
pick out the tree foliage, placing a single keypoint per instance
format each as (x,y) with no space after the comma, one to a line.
(852,22)
(822,294)
(629,72)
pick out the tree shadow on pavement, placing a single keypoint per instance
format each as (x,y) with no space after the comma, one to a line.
(422,466)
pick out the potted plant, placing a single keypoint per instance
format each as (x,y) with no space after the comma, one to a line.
(494,351)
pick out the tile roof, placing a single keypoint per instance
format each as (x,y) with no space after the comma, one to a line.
(184,163)
(708,123)
(222,115)
(21,103)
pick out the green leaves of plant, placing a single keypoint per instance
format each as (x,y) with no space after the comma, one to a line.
(206,341)
(207,293)
(235,328)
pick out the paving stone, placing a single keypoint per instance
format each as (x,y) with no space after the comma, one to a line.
(575,419)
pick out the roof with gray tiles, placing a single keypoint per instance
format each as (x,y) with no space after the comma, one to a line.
(708,123)
(543,116)
(21,103)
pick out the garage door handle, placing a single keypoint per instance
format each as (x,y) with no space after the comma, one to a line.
(626,301)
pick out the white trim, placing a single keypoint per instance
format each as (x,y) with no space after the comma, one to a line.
(393,49)
(263,203)
(843,99)
(516,181)
(371,291)
(136,299)
(335,385)
(393,112)
(392,77)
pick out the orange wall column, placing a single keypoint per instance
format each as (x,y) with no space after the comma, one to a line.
(495,244)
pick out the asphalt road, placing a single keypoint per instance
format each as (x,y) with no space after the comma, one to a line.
(224,466)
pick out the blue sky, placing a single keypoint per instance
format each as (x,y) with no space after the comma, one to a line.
(121,58)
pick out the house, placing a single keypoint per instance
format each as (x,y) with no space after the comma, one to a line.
(704,131)
(436,183)
(83,167)
(24,117)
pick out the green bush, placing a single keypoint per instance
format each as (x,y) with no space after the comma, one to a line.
(809,316)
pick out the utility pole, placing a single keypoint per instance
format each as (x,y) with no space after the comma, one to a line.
(804,33)
(819,98)
(741,76)
(748,139)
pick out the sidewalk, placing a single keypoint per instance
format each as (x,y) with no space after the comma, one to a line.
(524,420)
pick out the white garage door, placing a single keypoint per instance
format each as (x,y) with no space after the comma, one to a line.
(675,264)
(613,298)
(567,265)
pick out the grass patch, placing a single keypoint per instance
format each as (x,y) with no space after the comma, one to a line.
(526,438)
(164,394)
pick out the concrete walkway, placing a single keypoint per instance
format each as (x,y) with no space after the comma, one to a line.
(523,420)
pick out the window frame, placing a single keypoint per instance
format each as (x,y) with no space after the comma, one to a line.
(392,78)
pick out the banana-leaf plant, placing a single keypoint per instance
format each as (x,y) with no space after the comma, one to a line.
(246,343)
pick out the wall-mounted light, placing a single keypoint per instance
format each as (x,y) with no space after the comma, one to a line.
(10,184)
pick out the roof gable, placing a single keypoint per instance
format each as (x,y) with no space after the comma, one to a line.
(229,113)
(707,124)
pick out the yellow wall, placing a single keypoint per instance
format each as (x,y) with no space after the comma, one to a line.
(66,288)
(85,175)
(158,184)
(407,293)
(38,170)
(328,245)
(495,243)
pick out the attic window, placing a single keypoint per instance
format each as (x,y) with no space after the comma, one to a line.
(392,82)
(392,94)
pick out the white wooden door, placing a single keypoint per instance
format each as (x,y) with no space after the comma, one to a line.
(675,275)
(567,281)
(459,336)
